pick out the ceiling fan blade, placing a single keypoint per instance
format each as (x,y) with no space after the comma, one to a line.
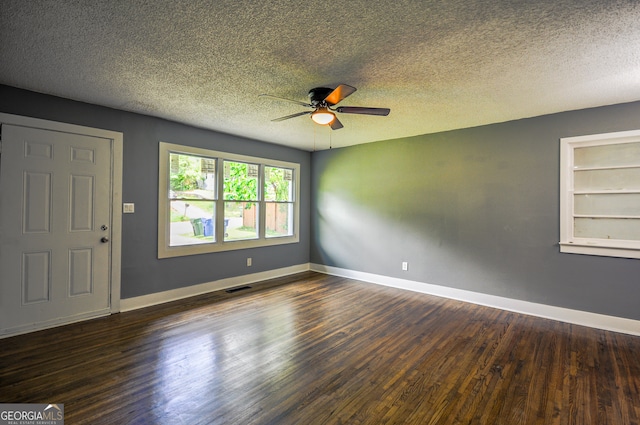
(339,93)
(287,100)
(336,124)
(362,110)
(299,114)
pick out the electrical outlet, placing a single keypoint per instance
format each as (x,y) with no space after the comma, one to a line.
(405,266)
(128,208)
(249,262)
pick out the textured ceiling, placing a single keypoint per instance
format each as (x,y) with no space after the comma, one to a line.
(438,65)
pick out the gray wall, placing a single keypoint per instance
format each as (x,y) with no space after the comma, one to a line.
(474,209)
(142,272)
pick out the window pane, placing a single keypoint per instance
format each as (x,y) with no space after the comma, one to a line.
(278,184)
(240,181)
(618,179)
(192,223)
(191,177)
(607,228)
(622,154)
(240,221)
(620,204)
(279,219)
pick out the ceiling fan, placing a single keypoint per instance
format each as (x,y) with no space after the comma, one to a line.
(322,100)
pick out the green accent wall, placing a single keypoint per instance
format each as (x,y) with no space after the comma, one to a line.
(474,209)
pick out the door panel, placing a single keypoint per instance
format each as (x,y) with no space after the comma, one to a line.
(36,277)
(81,205)
(80,272)
(55,198)
(36,202)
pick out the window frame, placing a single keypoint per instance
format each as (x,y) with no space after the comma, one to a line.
(569,243)
(219,244)
(290,203)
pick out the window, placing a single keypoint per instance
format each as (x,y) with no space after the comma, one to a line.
(278,193)
(241,203)
(192,199)
(600,194)
(211,201)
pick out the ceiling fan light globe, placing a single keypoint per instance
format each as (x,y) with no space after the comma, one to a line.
(323,117)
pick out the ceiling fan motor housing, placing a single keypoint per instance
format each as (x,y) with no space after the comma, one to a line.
(318,94)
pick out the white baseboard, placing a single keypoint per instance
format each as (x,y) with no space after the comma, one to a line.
(135,303)
(34,327)
(583,318)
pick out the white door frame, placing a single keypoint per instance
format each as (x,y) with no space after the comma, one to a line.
(116,188)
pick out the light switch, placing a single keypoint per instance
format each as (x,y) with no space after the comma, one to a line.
(128,208)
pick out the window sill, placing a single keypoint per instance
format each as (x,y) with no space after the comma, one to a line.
(184,250)
(576,248)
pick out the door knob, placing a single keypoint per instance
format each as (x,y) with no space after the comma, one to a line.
(104,239)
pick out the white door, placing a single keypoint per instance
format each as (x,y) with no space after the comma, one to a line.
(55,215)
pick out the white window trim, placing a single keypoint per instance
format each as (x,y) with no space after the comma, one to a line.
(166,251)
(590,246)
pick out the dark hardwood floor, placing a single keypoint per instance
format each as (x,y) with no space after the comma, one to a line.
(317,349)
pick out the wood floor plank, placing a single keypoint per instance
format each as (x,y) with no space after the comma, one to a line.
(317,349)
